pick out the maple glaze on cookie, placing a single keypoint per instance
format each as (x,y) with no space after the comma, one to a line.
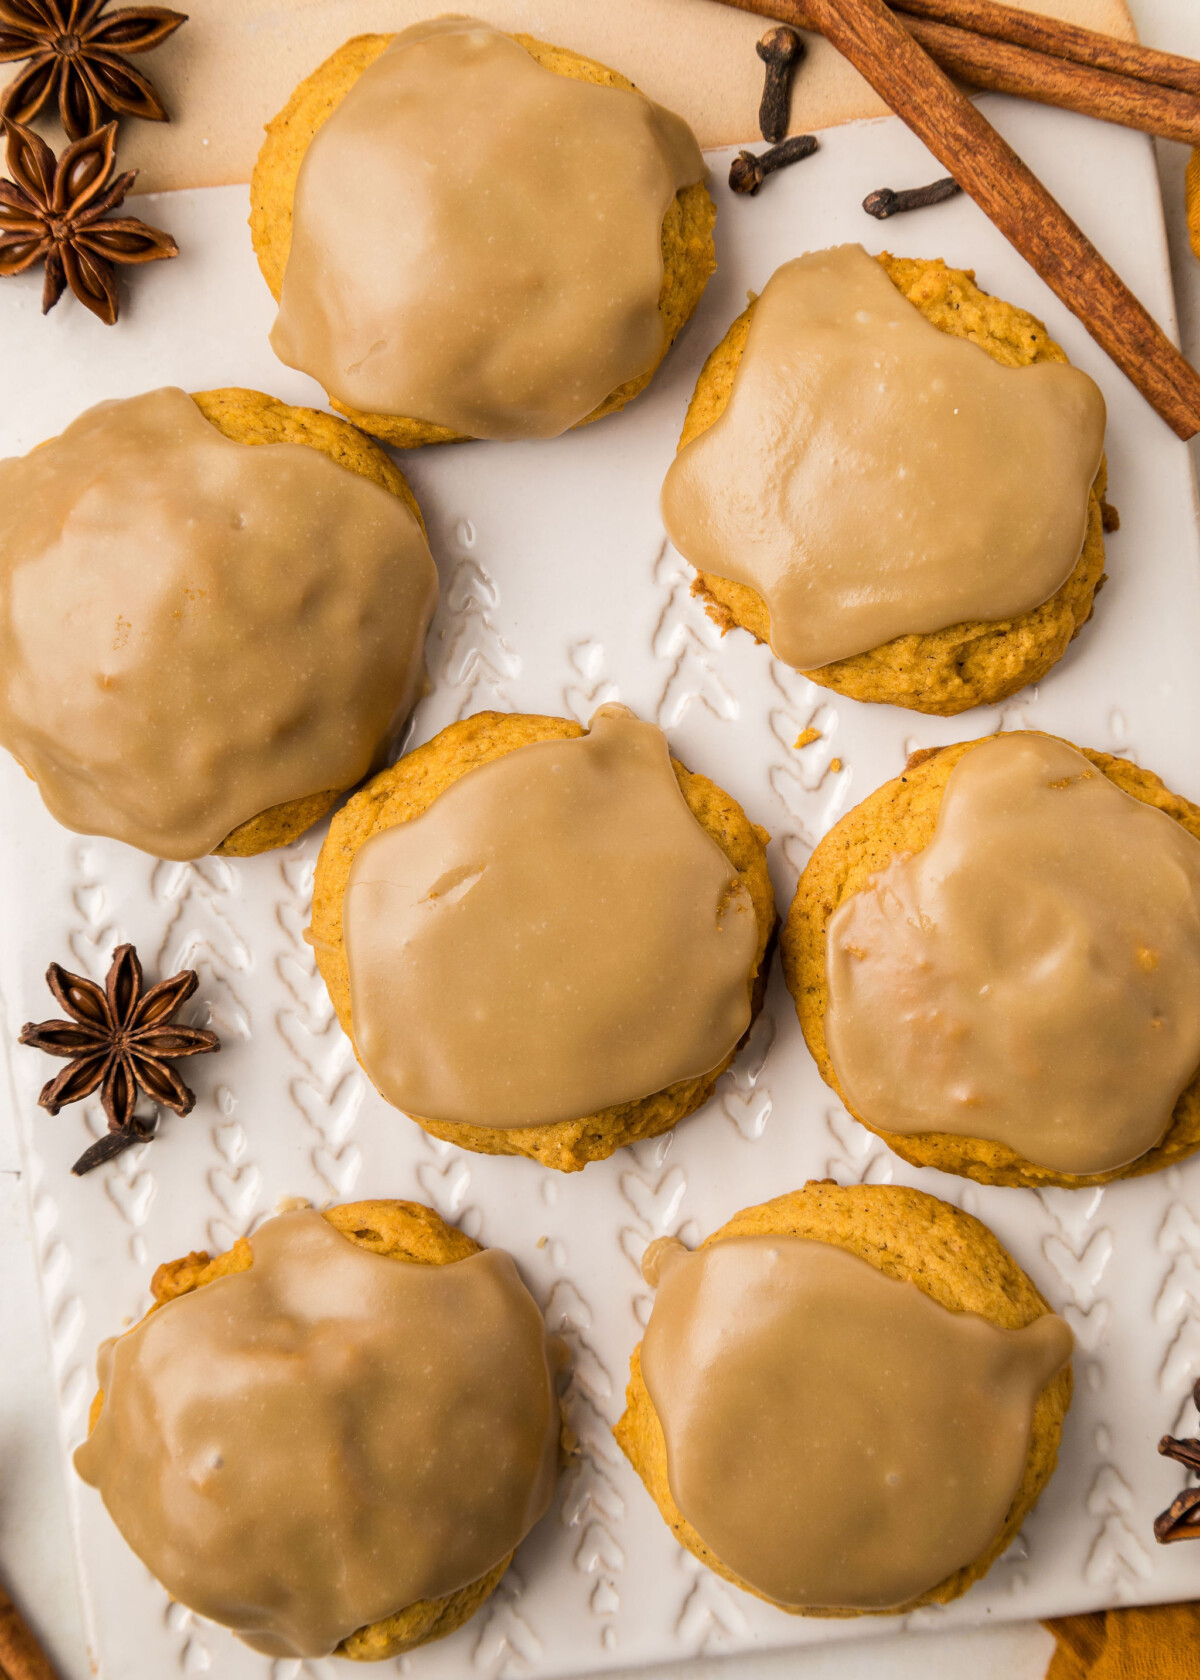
(873,477)
(1032,976)
(194,630)
(476,241)
(301,1449)
(836,1437)
(554,935)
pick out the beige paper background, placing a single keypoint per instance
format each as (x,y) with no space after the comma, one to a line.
(233,65)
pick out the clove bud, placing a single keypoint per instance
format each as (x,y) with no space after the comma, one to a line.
(747,172)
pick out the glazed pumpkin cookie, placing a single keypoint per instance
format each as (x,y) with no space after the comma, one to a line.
(431,1392)
(815,1324)
(542,940)
(205,643)
(996,963)
(902,518)
(472,234)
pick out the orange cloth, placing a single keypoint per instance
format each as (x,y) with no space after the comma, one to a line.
(1161,1642)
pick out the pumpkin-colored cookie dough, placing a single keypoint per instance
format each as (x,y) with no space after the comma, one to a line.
(688,253)
(250,417)
(408,788)
(898,820)
(404,1231)
(971,664)
(908,1235)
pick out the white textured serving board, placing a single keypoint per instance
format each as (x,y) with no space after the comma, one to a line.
(559,593)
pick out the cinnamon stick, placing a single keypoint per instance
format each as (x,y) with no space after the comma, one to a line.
(21,1657)
(1061,40)
(1000,67)
(1006,190)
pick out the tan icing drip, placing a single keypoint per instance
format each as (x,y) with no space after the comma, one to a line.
(659,1255)
(834,1436)
(555,934)
(193,630)
(477,241)
(873,477)
(1033,976)
(307,1447)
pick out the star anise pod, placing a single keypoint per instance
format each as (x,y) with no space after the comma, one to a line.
(119,1040)
(1181,1519)
(53,210)
(76,58)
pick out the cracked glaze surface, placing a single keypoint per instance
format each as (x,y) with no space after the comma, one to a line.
(559,595)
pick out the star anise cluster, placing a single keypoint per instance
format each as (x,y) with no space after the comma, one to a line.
(1181,1519)
(56,211)
(77,60)
(120,1040)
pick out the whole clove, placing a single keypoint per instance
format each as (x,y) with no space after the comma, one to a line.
(781,50)
(747,172)
(888,202)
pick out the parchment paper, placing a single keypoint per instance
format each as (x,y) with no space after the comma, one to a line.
(234,64)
